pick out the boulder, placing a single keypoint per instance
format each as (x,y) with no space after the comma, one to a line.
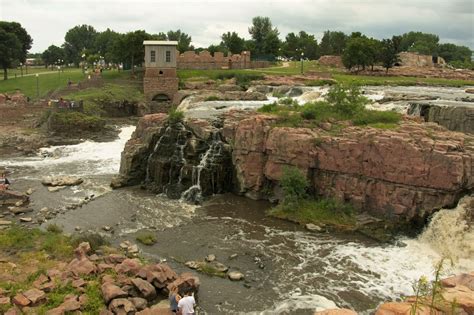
(82,267)
(61,181)
(110,291)
(128,266)
(122,306)
(235,275)
(464,279)
(184,282)
(35,295)
(462,296)
(139,303)
(160,275)
(146,289)
(21,300)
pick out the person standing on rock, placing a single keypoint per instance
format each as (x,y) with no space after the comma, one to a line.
(186,304)
(4,182)
(174,299)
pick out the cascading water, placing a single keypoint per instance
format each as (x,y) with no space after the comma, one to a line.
(194,193)
(451,233)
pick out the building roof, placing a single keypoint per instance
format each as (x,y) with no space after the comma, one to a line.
(160,43)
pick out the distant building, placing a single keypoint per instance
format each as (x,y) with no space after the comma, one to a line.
(411,59)
(160,82)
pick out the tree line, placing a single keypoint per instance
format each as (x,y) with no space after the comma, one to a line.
(83,43)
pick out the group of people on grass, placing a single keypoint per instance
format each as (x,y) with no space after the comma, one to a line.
(182,303)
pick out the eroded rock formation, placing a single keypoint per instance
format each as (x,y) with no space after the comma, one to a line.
(402,173)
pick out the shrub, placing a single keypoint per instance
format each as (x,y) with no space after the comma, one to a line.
(367,117)
(74,121)
(95,240)
(54,228)
(269,108)
(175,116)
(212,98)
(347,100)
(146,239)
(241,79)
(294,184)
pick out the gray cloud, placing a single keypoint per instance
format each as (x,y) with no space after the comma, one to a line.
(205,20)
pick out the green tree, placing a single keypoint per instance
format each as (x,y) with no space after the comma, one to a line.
(130,48)
(215,48)
(359,52)
(51,55)
(104,44)
(451,52)
(388,53)
(419,42)
(295,44)
(264,37)
(332,43)
(79,39)
(232,42)
(183,39)
(159,36)
(14,45)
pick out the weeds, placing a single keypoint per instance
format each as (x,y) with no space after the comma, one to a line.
(147,239)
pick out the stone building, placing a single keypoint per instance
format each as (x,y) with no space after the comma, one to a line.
(411,59)
(160,81)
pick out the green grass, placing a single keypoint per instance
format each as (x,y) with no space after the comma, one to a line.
(147,239)
(95,99)
(319,212)
(50,81)
(311,115)
(212,98)
(63,121)
(338,75)
(19,239)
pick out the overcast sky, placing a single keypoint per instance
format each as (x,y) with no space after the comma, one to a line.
(205,20)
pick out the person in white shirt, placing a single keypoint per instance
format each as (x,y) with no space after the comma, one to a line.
(186,304)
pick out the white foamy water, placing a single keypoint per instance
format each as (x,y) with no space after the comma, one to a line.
(319,271)
(86,158)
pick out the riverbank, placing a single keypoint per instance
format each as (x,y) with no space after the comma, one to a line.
(39,277)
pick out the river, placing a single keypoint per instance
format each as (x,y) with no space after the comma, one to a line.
(287,268)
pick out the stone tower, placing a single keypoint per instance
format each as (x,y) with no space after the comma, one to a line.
(160,82)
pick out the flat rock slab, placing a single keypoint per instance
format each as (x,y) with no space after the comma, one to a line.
(62,181)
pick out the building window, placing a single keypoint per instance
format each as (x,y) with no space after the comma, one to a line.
(168,56)
(152,56)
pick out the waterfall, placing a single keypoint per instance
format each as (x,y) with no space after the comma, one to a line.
(451,232)
(194,193)
(155,151)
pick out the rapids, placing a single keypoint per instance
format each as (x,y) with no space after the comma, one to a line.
(287,268)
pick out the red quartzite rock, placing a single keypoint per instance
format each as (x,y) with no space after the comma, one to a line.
(401,173)
(21,300)
(146,289)
(129,266)
(388,172)
(122,306)
(110,291)
(35,295)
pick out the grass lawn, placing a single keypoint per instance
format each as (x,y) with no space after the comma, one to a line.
(52,80)
(294,68)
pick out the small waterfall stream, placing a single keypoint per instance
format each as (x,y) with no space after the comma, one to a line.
(194,193)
